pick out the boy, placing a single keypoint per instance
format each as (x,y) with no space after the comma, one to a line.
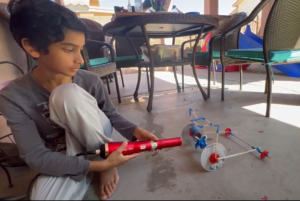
(56,111)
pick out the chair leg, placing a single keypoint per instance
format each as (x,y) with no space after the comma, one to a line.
(151,94)
(135,95)
(209,77)
(174,70)
(107,83)
(269,92)
(204,95)
(175,75)
(122,77)
(182,70)
(214,71)
(10,185)
(208,80)
(117,87)
(241,77)
(148,82)
(223,82)
(151,91)
(266,85)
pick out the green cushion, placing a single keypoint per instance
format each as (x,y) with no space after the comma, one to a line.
(97,62)
(216,54)
(128,58)
(257,54)
(104,60)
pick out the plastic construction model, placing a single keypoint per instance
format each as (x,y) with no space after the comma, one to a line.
(213,155)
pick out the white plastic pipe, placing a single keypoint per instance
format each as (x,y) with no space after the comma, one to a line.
(222,132)
(214,132)
(239,154)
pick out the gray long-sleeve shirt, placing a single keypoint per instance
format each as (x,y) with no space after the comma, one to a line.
(24,104)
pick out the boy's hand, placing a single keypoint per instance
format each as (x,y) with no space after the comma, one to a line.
(116,158)
(143,135)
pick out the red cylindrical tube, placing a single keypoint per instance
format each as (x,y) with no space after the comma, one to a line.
(139,146)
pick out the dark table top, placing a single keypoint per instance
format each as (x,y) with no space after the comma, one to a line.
(161,25)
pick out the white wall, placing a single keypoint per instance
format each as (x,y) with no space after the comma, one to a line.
(9,51)
(247,6)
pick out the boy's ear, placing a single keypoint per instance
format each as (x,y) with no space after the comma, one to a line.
(29,48)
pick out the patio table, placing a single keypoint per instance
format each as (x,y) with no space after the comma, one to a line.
(161,25)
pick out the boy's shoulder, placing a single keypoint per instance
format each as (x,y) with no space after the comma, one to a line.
(15,86)
(86,74)
(84,77)
(25,85)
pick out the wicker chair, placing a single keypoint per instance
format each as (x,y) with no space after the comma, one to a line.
(127,57)
(281,44)
(5,15)
(9,153)
(124,57)
(232,41)
(9,157)
(4,12)
(101,66)
(96,33)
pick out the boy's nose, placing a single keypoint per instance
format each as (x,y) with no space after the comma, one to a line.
(79,59)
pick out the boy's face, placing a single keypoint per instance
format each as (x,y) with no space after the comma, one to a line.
(63,57)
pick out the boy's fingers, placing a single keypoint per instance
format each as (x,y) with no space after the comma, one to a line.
(154,138)
(124,144)
(132,156)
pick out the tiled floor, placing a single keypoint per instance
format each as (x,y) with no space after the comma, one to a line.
(176,173)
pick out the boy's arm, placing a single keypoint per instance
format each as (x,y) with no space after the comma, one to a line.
(122,125)
(32,149)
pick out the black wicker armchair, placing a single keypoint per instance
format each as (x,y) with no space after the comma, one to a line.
(281,42)
(9,154)
(9,157)
(128,55)
(101,66)
(214,54)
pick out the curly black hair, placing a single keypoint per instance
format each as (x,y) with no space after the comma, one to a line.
(42,21)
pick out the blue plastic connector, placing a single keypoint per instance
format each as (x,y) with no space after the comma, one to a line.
(201,142)
(257,149)
(198,119)
(201,126)
(218,128)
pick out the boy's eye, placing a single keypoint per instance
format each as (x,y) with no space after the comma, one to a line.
(68,50)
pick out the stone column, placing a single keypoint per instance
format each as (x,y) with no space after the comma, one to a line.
(61,2)
(211,7)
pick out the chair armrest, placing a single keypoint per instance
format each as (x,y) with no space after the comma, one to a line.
(183,44)
(8,62)
(214,38)
(210,44)
(4,13)
(188,41)
(1,138)
(106,45)
(249,19)
(9,157)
